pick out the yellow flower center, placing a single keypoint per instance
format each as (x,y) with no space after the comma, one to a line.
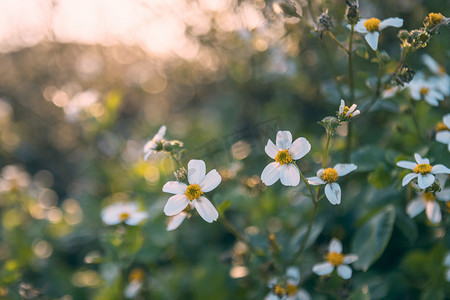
(441,70)
(283,157)
(447,204)
(441,127)
(346,109)
(124,216)
(429,196)
(279,291)
(136,275)
(291,289)
(330,175)
(372,24)
(435,18)
(424,91)
(335,259)
(193,192)
(422,169)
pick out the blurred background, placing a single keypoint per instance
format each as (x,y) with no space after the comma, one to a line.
(84,84)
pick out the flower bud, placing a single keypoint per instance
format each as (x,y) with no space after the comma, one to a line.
(324,23)
(352,12)
(434,188)
(181,175)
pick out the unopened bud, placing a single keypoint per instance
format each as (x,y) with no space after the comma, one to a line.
(352,12)
(434,188)
(181,174)
(324,23)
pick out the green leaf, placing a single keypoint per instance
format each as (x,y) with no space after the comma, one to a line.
(360,294)
(380,178)
(297,240)
(223,206)
(367,158)
(407,226)
(372,238)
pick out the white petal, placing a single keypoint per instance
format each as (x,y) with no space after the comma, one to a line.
(406,164)
(342,106)
(206,210)
(447,260)
(299,148)
(431,64)
(284,139)
(350,258)
(161,132)
(447,275)
(174,187)
(394,22)
(289,175)
(176,204)
(359,27)
(302,295)
(356,112)
(372,39)
(415,207)
(408,178)
(211,181)
(335,246)
(344,169)
(447,120)
(271,173)
(132,289)
(433,212)
(323,268)
(196,171)
(148,153)
(351,109)
(440,169)
(421,160)
(271,149)
(443,137)
(333,193)
(271,296)
(315,180)
(344,271)
(443,195)
(111,218)
(425,181)
(293,274)
(136,218)
(433,101)
(176,221)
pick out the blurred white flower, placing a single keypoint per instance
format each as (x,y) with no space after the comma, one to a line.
(12,178)
(287,289)
(176,220)
(284,152)
(335,259)
(443,131)
(150,146)
(447,264)
(420,88)
(422,170)
(426,201)
(199,183)
(329,177)
(372,27)
(122,212)
(135,282)
(442,79)
(346,113)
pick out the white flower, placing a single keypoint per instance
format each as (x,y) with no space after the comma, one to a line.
(420,88)
(287,289)
(426,201)
(150,146)
(442,79)
(199,183)
(346,112)
(447,264)
(423,171)
(284,153)
(372,27)
(136,280)
(443,131)
(328,177)
(335,258)
(176,220)
(122,212)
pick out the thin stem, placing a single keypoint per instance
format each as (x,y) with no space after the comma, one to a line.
(325,153)
(236,233)
(313,16)
(313,198)
(308,232)
(350,65)
(414,118)
(337,41)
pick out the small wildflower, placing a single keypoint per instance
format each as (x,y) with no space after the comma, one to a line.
(135,282)
(447,264)
(443,131)
(422,170)
(127,213)
(346,113)
(426,201)
(424,89)
(284,153)
(372,27)
(335,259)
(329,177)
(433,19)
(177,220)
(185,195)
(287,288)
(152,146)
(442,79)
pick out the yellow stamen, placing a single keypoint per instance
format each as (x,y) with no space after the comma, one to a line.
(346,109)
(372,24)
(447,204)
(124,216)
(193,192)
(429,196)
(283,157)
(424,90)
(335,259)
(422,169)
(329,175)
(136,275)
(434,19)
(279,291)
(291,289)
(441,127)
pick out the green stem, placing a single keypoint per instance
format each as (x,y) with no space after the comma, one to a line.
(325,153)
(414,118)
(350,66)
(236,233)
(308,232)
(337,42)
(311,11)
(313,198)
